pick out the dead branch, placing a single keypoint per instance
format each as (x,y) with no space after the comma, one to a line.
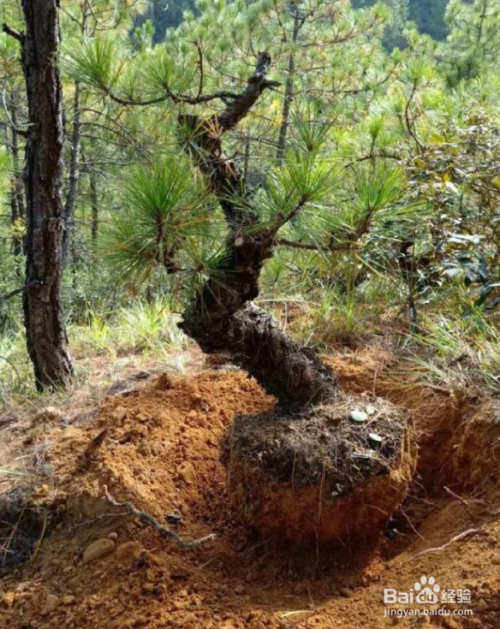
(148,519)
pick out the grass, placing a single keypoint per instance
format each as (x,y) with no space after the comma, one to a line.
(449,350)
(142,328)
(459,351)
(108,344)
(334,316)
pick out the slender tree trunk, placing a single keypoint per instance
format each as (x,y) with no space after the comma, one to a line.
(74,176)
(45,328)
(287,103)
(17,247)
(94,205)
(16,162)
(17,188)
(221,318)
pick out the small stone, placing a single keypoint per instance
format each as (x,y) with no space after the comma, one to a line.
(113,536)
(187,472)
(8,599)
(148,588)
(96,550)
(239,589)
(482,605)
(68,600)
(129,551)
(360,417)
(345,592)
(190,620)
(51,603)
(119,413)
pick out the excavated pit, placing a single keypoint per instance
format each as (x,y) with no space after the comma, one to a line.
(336,472)
(159,447)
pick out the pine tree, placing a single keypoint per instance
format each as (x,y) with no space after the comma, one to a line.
(474,41)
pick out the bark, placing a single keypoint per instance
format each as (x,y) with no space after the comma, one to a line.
(45,329)
(74,176)
(221,317)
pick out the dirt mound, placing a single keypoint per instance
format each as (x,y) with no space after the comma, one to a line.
(330,473)
(159,448)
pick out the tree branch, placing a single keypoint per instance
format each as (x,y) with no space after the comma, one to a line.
(13,33)
(256,84)
(19,290)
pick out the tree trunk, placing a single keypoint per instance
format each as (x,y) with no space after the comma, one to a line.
(221,317)
(17,187)
(94,208)
(74,176)
(17,247)
(45,329)
(287,103)
(16,162)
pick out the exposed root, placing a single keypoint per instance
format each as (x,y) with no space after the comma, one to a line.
(457,538)
(148,519)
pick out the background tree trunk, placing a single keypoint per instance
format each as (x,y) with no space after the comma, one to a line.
(74,176)
(287,102)
(45,328)
(17,204)
(94,204)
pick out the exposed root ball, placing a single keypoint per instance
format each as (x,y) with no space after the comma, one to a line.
(336,471)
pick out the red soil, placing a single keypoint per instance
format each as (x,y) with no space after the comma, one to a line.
(159,448)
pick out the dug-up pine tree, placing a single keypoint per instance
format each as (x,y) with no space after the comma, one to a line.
(322,465)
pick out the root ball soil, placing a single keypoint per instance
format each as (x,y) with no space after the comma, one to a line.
(333,472)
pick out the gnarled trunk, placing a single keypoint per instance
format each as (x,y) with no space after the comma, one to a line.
(45,329)
(221,317)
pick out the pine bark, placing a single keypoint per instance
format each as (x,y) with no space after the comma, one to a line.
(44,320)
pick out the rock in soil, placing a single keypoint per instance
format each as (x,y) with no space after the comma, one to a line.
(96,550)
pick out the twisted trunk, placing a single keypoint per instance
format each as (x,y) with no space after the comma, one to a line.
(221,318)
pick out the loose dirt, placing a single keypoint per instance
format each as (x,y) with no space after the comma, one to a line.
(159,447)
